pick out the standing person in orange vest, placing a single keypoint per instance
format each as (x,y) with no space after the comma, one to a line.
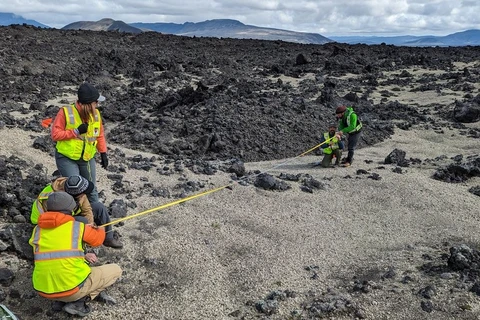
(78,132)
(62,272)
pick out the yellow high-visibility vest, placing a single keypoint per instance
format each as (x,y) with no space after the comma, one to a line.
(60,264)
(84,146)
(334,141)
(39,205)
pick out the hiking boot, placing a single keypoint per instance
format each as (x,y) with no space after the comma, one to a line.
(105,298)
(113,243)
(78,308)
(58,305)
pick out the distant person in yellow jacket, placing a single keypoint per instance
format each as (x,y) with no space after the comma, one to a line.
(90,213)
(78,132)
(61,272)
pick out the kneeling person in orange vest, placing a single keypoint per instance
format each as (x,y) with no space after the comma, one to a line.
(61,271)
(86,211)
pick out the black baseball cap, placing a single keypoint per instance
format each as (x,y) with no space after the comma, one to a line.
(87,93)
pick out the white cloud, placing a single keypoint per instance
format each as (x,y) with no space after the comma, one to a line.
(340,17)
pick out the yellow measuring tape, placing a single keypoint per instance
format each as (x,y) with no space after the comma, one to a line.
(163,206)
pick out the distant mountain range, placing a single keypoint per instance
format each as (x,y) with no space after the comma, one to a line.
(221,28)
(227,28)
(7,19)
(102,25)
(464,38)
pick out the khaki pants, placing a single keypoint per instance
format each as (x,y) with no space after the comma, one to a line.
(99,279)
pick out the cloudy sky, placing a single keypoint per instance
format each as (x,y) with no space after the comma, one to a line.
(327,17)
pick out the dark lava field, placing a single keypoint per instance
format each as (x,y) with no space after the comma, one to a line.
(208,98)
(191,101)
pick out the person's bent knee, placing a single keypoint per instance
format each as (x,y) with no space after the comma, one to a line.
(115,270)
(119,270)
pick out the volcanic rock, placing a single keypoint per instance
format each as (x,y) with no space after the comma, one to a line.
(459,172)
(467,112)
(475,190)
(6,277)
(268,182)
(397,157)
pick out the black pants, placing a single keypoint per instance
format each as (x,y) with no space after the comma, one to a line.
(100,216)
(352,141)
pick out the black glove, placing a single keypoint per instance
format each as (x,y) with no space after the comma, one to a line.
(104,161)
(82,128)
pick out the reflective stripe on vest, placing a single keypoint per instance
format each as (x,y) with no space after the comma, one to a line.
(329,149)
(83,146)
(58,255)
(59,259)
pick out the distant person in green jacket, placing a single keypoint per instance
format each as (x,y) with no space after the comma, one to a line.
(348,123)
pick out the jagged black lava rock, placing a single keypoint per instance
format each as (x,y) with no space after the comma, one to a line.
(475,190)
(459,172)
(463,257)
(467,112)
(6,277)
(118,208)
(268,182)
(397,157)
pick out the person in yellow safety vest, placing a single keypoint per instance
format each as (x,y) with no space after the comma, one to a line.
(332,148)
(78,132)
(348,123)
(39,206)
(61,268)
(86,212)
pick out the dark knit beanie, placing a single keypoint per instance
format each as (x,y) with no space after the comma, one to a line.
(87,93)
(76,185)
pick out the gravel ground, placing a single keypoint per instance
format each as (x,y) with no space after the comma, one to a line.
(210,257)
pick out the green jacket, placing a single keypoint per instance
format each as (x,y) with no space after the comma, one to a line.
(349,122)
